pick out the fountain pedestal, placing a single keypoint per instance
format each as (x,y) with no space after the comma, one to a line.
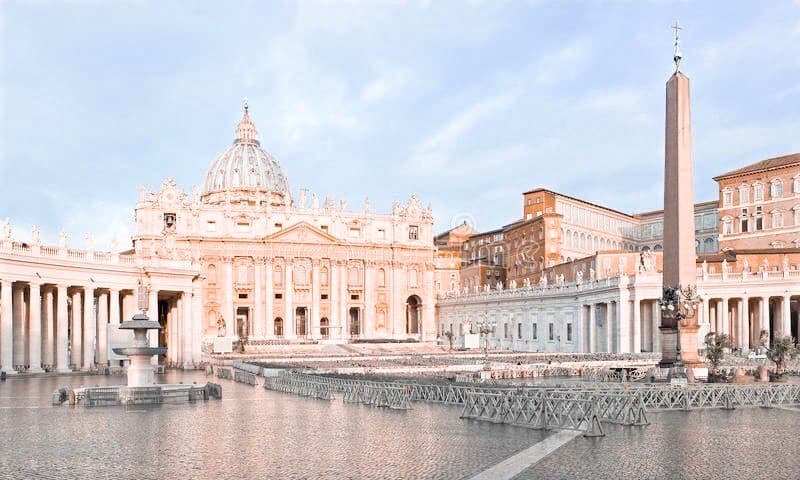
(140,371)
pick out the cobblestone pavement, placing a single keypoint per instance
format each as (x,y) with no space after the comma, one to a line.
(251,433)
(747,443)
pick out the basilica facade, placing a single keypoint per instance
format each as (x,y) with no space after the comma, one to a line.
(238,258)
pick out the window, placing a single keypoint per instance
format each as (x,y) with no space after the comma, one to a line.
(727,227)
(797,216)
(534,332)
(324,296)
(519,331)
(300,277)
(551,331)
(241,274)
(170,219)
(242,226)
(353,276)
(212,275)
(777,219)
(354,297)
(243,296)
(744,195)
(211,226)
(278,226)
(324,228)
(382,234)
(776,189)
(323,274)
(758,193)
(278,296)
(413,232)
(759,219)
(277,276)
(355,232)
(744,226)
(569,332)
(796,185)
(381,277)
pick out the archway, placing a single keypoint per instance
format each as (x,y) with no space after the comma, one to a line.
(413,314)
(301,321)
(324,323)
(354,317)
(278,327)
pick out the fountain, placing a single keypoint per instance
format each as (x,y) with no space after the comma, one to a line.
(141,387)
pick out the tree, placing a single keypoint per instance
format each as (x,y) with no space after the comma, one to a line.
(716,343)
(781,351)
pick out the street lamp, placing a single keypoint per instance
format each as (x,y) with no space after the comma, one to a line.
(485,328)
(678,304)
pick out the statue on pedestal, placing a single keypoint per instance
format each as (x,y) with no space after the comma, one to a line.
(222,329)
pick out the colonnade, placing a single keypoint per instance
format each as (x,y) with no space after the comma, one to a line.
(64,327)
(743,318)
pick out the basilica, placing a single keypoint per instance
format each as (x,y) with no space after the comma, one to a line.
(239,258)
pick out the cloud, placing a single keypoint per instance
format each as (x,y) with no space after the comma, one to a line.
(386,85)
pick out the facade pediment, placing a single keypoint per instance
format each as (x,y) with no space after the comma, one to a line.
(302,232)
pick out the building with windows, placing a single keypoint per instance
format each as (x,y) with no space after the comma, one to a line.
(239,258)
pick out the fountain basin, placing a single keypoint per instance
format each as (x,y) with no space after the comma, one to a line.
(149,351)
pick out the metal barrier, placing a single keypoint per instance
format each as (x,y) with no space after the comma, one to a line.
(290,383)
(378,395)
(226,373)
(101,396)
(244,377)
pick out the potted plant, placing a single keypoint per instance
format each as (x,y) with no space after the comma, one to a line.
(716,343)
(779,352)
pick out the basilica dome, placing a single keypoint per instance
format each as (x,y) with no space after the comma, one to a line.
(245,171)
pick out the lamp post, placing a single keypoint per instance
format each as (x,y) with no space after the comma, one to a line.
(485,328)
(678,304)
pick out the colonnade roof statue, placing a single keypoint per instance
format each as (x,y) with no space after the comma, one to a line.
(246,167)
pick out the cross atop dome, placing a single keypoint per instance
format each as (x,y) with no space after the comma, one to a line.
(246,130)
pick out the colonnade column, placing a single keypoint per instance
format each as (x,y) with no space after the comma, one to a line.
(786,312)
(18,315)
(48,334)
(288,291)
(35,328)
(62,320)
(744,329)
(763,320)
(624,326)
(656,324)
(113,309)
(102,328)
(76,336)
(186,330)
(89,327)
(270,296)
(259,325)
(152,312)
(637,325)
(196,326)
(724,317)
(173,316)
(6,328)
(592,328)
(315,316)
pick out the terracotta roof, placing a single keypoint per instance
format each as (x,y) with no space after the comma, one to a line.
(768,164)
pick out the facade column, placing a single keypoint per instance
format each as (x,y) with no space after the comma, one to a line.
(637,325)
(427,327)
(259,323)
(269,295)
(369,299)
(336,323)
(6,328)
(195,316)
(62,321)
(786,312)
(343,298)
(18,299)
(76,332)
(611,325)
(315,316)
(186,330)
(172,332)
(48,333)
(592,328)
(288,293)
(35,328)
(102,329)
(89,327)
(227,297)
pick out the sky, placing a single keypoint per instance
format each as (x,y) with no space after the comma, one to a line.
(468,104)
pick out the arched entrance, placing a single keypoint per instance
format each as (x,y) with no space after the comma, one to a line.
(301,321)
(354,316)
(278,327)
(324,323)
(413,314)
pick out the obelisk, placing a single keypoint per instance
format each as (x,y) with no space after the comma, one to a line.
(679,233)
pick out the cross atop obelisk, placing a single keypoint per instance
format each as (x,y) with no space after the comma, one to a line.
(677,56)
(679,234)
